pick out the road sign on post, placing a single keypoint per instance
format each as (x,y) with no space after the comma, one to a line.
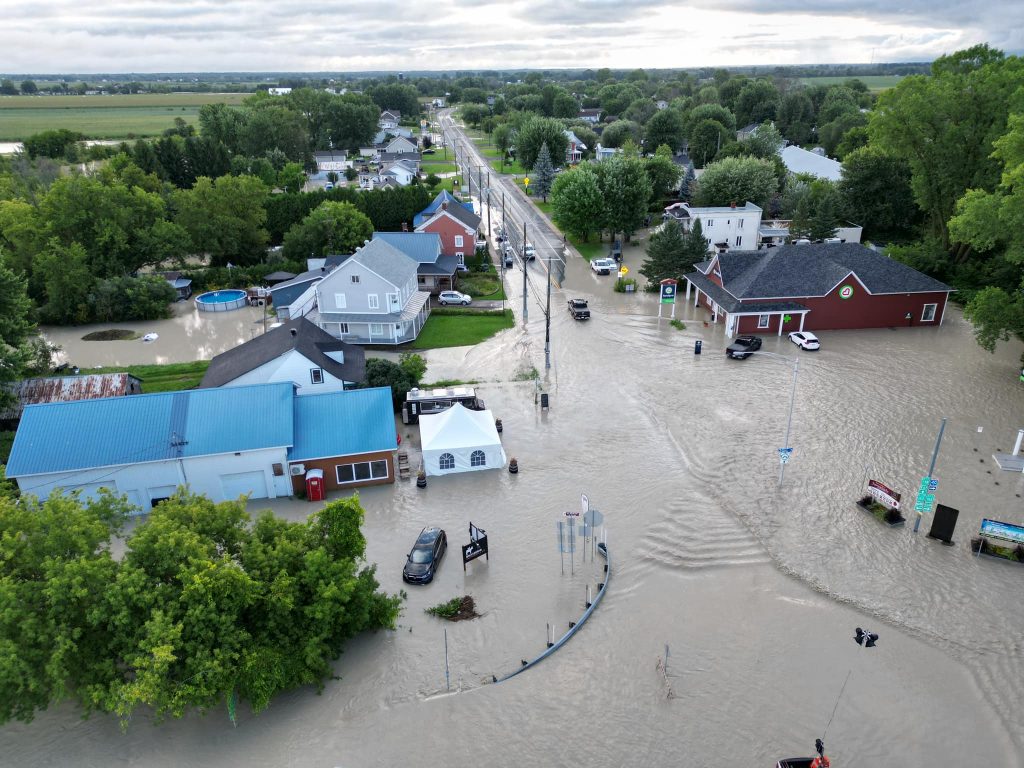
(785,454)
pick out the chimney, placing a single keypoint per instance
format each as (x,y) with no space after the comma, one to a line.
(733,203)
(444,205)
(295,332)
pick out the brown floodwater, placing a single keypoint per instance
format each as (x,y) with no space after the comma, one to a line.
(756,589)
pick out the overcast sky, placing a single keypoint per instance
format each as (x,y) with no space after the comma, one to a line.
(341,35)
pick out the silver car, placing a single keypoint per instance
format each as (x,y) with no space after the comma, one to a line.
(454,297)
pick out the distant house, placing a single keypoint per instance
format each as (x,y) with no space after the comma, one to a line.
(661,104)
(817,286)
(592,116)
(412,158)
(297,351)
(604,153)
(435,271)
(400,145)
(574,149)
(799,160)
(444,196)
(182,285)
(457,227)
(747,131)
(278,91)
(438,102)
(332,160)
(66,389)
(402,171)
(724,227)
(490,100)
(372,297)
(389,119)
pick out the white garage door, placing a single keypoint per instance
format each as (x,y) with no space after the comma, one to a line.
(252,483)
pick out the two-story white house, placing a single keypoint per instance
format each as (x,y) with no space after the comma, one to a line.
(372,297)
(726,227)
(389,119)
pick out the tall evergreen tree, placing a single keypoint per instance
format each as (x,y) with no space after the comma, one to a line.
(543,175)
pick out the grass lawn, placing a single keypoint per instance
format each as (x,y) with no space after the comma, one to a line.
(461,330)
(875,83)
(482,285)
(104,117)
(510,168)
(436,167)
(162,378)
(448,184)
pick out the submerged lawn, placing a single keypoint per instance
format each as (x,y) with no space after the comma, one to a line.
(461,330)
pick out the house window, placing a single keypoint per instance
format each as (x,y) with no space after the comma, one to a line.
(763,320)
(478,459)
(711,223)
(447,461)
(339,300)
(739,240)
(342,328)
(461,257)
(361,471)
(928,313)
(316,375)
(393,304)
(421,280)
(376,329)
(458,241)
(372,301)
(355,278)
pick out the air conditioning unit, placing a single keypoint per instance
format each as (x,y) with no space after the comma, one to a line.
(298,469)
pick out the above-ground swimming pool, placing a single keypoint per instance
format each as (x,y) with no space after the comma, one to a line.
(221,301)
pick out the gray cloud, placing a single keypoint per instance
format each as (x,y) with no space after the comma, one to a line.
(349,35)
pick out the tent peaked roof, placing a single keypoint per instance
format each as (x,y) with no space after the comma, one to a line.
(458,427)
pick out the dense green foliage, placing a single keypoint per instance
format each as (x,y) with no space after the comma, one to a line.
(206,606)
(671,252)
(330,228)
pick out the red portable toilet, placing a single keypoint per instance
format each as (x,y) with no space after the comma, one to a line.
(315,485)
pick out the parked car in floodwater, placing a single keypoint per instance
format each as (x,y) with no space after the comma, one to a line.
(425,556)
(805,340)
(743,347)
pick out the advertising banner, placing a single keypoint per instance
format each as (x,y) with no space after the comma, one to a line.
(668,291)
(1005,531)
(884,494)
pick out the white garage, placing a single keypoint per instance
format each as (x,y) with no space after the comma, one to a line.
(460,440)
(251,484)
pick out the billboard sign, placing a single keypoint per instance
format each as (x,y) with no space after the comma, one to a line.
(668,291)
(1005,531)
(884,494)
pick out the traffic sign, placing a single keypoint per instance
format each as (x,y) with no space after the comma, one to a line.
(526,181)
(785,454)
(584,503)
(933,484)
(623,270)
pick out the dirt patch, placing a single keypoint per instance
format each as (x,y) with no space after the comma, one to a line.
(112,334)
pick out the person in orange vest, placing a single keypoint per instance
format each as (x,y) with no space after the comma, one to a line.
(821,761)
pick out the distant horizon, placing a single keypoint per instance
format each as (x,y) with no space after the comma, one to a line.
(345,36)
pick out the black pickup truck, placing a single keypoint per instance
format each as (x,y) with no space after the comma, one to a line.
(743,347)
(578,309)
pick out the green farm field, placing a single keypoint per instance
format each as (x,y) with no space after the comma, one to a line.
(875,83)
(104,117)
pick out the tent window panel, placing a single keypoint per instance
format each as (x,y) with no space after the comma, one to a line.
(447,461)
(478,459)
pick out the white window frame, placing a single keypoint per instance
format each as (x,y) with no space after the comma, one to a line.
(342,328)
(376,329)
(446,461)
(924,312)
(394,301)
(458,241)
(316,375)
(371,471)
(355,278)
(711,223)
(763,321)
(373,301)
(739,241)
(339,301)
(478,459)
(461,257)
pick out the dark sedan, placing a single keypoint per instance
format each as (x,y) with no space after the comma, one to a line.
(425,556)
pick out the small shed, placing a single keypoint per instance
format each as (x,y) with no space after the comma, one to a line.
(460,440)
(278,277)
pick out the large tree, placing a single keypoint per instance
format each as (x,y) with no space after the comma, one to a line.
(875,191)
(757,101)
(330,228)
(533,134)
(578,203)
(502,136)
(665,127)
(225,218)
(618,133)
(795,117)
(737,180)
(817,213)
(626,190)
(16,328)
(706,140)
(543,175)
(662,173)
(666,254)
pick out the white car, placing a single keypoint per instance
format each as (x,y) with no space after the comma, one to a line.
(804,340)
(454,297)
(529,253)
(604,266)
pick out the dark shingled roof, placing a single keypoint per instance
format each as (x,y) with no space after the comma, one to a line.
(311,341)
(732,305)
(814,269)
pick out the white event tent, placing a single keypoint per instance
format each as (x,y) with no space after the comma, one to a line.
(460,440)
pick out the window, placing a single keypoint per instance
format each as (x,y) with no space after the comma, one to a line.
(393,302)
(447,461)
(376,329)
(316,375)
(361,471)
(711,223)
(421,280)
(458,241)
(763,320)
(739,240)
(928,313)
(478,459)
(339,300)
(355,278)
(739,223)
(342,328)
(372,301)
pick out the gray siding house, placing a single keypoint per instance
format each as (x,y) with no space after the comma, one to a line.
(372,297)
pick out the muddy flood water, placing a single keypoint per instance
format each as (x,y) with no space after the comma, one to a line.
(755,589)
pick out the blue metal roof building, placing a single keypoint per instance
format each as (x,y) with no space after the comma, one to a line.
(346,423)
(421,247)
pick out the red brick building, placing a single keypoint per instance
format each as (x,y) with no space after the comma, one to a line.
(815,287)
(457,226)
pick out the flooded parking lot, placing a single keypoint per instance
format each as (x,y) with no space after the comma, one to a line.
(755,588)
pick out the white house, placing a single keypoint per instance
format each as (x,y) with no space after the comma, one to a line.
(401,171)
(592,116)
(574,149)
(400,145)
(276,91)
(389,119)
(724,227)
(372,297)
(332,160)
(604,153)
(799,160)
(298,352)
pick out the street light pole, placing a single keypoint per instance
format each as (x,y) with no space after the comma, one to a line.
(789,419)
(525,310)
(547,323)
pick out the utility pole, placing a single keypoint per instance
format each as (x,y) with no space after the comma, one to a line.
(525,310)
(547,325)
(931,468)
(789,419)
